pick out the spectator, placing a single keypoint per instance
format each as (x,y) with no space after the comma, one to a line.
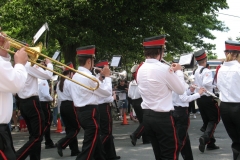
(122,88)
(22,122)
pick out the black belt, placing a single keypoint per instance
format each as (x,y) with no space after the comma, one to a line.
(30,98)
(3,127)
(45,102)
(137,99)
(150,112)
(180,109)
(103,104)
(87,107)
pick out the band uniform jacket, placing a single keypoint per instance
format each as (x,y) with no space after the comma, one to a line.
(64,95)
(228,82)
(133,91)
(156,83)
(31,86)
(44,91)
(11,81)
(82,96)
(204,79)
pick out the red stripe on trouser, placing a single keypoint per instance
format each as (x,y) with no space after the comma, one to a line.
(74,109)
(216,105)
(3,155)
(184,141)
(95,136)
(76,130)
(109,125)
(212,132)
(175,138)
(70,138)
(140,131)
(40,131)
(48,120)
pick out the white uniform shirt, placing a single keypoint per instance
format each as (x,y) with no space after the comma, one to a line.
(107,99)
(66,94)
(44,91)
(228,82)
(184,99)
(204,79)
(156,83)
(31,86)
(133,91)
(82,96)
(11,81)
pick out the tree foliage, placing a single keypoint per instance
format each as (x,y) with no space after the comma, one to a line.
(116,27)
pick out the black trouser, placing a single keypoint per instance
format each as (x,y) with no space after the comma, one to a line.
(191,107)
(160,127)
(72,126)
(230,113)
(210,113)
(33,115)
(48,121)
(106,130)
(181,119)
(6,144)
(136,103)
(92,146)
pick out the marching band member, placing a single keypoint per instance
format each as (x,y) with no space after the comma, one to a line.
(134,94)
(68,114)
(11,81)
(45,100)
(181,117)
(207,105)
(156,83)
(106,120)
(86,102)
(228,84)
(31,110)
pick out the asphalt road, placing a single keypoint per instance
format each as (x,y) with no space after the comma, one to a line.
(141,151)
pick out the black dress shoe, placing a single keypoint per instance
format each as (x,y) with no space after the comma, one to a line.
(203,129)
(49,146)
(202,144)
(212,147)
(133,139)
(75,153)
(59,149)
(116,157)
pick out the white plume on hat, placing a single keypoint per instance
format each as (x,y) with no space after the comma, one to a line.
(134,68)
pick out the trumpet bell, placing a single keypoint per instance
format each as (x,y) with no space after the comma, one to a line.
(123,75)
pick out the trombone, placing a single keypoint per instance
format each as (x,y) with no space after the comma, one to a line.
(34,53)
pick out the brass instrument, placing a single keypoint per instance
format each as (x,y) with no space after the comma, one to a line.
(189,81)
(35,52)
(114,75)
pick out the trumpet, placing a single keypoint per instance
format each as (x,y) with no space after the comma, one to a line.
(114,75)
(190,81)
(35,52)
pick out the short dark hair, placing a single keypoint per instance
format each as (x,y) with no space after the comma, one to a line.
(152,52)
(202,61)
(82,60)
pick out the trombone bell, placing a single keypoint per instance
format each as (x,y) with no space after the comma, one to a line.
(35,52)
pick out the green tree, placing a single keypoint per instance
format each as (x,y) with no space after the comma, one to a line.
(114,26)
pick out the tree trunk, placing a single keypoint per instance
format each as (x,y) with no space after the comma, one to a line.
(69,54)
